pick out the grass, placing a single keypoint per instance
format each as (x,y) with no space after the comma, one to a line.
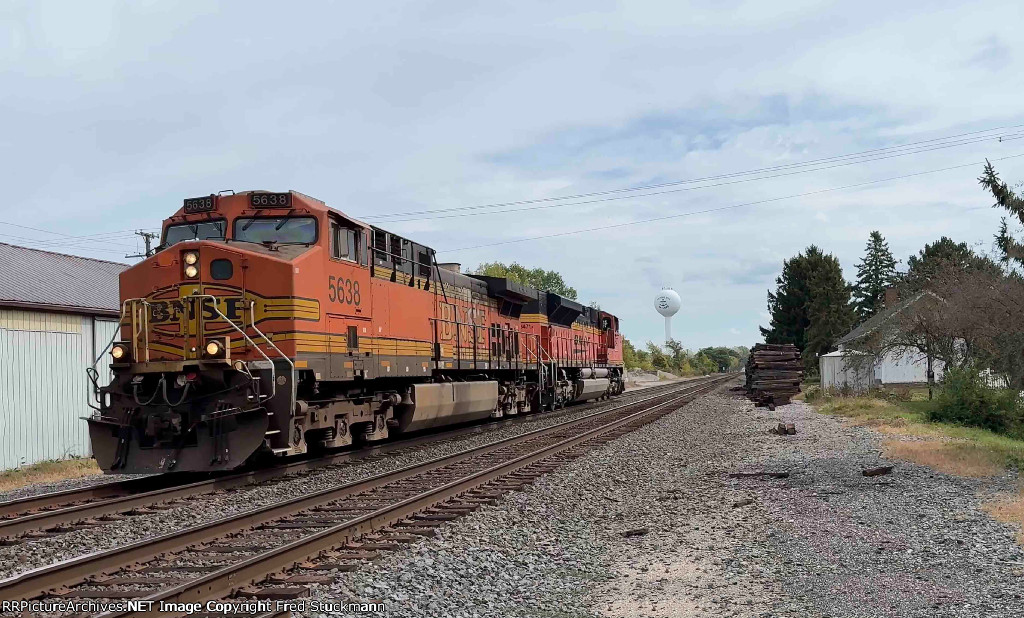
(952,449)
(47,472)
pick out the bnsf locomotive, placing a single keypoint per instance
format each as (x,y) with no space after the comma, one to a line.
(271,324)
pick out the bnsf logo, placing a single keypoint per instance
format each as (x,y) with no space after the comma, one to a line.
(165,311)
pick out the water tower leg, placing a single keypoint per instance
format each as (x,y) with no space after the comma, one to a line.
(668,328)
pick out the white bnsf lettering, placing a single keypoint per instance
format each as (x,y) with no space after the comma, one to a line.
(167,311)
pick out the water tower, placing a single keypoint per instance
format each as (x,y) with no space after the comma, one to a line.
(667,302)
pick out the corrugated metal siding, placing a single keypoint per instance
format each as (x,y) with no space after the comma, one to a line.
(837,373)
(43,387)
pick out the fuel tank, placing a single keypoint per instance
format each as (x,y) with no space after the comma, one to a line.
(449,403)
(591,389)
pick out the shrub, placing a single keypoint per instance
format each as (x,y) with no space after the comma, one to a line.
(965,398)
(813,393)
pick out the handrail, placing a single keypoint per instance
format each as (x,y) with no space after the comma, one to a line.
(273,371)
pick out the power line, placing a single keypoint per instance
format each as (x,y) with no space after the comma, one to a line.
(103,237)
(148,238)
(733,206)
(705,186)
(864,153)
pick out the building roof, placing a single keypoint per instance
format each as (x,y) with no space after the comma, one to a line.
(37,279)
(874,322)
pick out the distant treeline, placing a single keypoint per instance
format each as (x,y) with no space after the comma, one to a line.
(676,359)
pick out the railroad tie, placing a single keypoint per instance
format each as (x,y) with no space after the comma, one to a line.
(103,594)
(418,531)
(440,517)
(171,568)
(132,581)
(300,579)
(418,524)
(343,567)
(351,554)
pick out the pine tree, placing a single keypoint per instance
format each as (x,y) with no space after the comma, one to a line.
(811,305)
(830,313)
(875,273)
(1006,198)
(940,255)
(788,304)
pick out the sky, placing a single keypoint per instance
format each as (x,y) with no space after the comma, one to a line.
(112,113)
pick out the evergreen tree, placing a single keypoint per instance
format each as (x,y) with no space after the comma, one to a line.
(811,305)
(788,304)
(830,313)
(875,273)
(937,256)
(1006,198)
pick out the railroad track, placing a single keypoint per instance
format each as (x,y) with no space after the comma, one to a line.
(56,513)
(334,529)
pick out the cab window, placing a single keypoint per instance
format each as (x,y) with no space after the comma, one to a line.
(345,243)
(278,230)
(205,230)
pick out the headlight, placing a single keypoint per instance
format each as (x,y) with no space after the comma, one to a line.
(191,271)
(191,258)
(119,352)
(216,348)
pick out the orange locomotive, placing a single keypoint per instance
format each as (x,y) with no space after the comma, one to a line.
(269,323)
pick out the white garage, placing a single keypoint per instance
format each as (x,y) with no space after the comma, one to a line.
(848,368)
(57,313)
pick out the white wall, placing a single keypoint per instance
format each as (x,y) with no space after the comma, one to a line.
(910,367)
(837,372)
(43,385)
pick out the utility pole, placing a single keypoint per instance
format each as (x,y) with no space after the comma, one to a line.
(148,237)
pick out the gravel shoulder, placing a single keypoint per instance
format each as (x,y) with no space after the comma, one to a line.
(653,525)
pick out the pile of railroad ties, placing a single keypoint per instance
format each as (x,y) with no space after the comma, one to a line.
(774,373)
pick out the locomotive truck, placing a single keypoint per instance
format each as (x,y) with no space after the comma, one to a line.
(269,324)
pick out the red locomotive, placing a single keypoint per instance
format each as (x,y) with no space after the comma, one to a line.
(269,323)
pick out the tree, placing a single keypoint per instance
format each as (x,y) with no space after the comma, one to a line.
(875,273)
(633,358)
(811,305)
(546,280)
(788,304)
(939,256)
(724,359)
(1012,250)
(829,313)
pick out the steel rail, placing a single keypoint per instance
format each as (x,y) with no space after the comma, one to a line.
(121,496)
(40,581)
(224,581)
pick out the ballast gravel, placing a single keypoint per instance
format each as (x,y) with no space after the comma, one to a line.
(197,510)
(653,525)
(82,482)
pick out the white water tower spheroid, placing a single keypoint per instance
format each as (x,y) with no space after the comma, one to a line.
(667,302)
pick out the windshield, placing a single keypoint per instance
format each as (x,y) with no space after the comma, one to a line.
(298,230)
(206,230)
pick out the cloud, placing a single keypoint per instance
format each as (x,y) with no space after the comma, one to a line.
(114,115)
(992,54)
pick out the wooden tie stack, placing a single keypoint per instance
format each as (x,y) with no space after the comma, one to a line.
(774,372)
